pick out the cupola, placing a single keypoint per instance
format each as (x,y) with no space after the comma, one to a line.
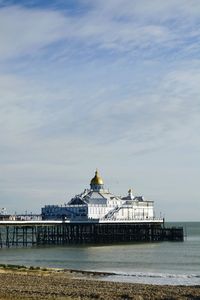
(96,183)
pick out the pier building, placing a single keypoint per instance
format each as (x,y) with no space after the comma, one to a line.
(98,203)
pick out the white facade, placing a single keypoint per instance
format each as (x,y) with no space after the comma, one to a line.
(99,203)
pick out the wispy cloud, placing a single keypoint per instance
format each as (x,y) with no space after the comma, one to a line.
(24,31)
(111,25)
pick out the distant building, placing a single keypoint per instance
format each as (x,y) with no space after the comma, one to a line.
(99,204)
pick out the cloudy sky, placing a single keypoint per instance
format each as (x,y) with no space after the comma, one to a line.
(107,84)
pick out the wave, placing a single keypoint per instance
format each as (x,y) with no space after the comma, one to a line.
(158,275)
(155,278)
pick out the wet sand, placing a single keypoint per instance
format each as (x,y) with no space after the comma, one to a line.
(25,283)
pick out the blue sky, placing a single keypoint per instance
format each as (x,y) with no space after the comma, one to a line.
(109,84)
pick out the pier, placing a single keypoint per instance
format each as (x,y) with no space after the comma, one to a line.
(30,233)
(95,216)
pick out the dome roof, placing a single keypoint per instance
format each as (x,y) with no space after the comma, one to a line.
(97,179)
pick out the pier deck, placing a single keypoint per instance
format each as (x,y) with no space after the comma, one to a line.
(40,232)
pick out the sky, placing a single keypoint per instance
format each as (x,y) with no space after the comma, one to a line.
(106,84)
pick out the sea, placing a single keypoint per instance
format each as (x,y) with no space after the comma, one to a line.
(160,263)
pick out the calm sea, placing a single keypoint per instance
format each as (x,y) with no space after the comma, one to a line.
(157,263)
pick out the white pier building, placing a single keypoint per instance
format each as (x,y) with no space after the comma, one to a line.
(97,203)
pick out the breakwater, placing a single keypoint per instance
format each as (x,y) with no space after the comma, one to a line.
(28,233)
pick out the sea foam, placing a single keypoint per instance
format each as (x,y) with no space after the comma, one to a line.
(155,278)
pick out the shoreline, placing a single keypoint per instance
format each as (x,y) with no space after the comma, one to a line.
(20,282)
(149,278)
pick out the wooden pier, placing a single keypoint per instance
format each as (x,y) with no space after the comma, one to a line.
(29,233)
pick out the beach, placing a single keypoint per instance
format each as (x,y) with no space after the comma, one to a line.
(37,283)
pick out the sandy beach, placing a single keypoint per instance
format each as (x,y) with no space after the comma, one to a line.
(35,283)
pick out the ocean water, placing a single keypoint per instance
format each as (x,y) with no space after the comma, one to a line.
(174,263)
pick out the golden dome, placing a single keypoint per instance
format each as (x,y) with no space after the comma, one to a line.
(97,179)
